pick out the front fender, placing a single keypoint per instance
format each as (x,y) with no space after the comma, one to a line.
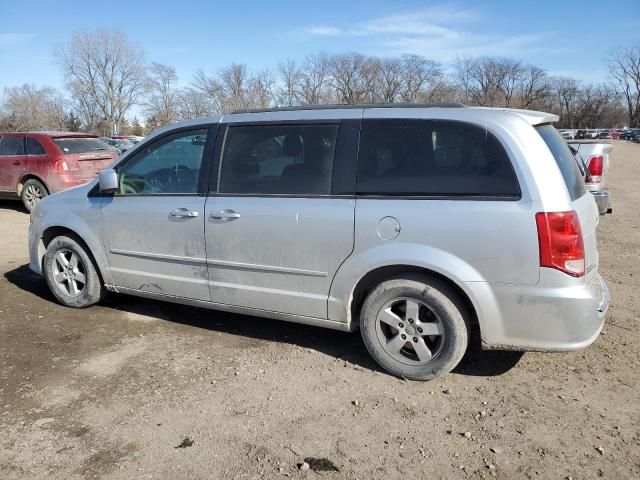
(81,215)
(409,254)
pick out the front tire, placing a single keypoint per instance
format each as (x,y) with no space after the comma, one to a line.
(71,274)
(32,192)
(415,327)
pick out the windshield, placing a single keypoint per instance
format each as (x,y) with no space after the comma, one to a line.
(566,161)
(70,146)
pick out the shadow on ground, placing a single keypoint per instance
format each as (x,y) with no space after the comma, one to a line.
(16,206)
(346,346)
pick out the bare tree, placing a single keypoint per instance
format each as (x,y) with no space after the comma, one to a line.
(624,67)
(349,78)
(31,108)
(314,75)
(290,78)
(390,80)
(566,91)
(477,81)
(533,87)
(192,103)
(162,93)
(106,67)
(420,77)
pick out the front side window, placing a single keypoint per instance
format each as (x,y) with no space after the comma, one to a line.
(11,145)
(432,158)
(278,159)
(34,147)
(170,165)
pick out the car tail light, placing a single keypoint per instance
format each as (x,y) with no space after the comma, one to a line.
(60,166)
(596,166)
(561,243)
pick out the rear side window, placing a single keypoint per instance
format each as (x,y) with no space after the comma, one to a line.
(71,146)
(11,145)
(565,160)
(278,159)
(433,158)
(34,147)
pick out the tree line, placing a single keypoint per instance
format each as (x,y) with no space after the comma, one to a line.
(106,76)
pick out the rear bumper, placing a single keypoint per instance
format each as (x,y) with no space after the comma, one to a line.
(603,200)
(559,314)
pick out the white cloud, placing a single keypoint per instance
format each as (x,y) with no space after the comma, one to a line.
(324,31)
(438,32)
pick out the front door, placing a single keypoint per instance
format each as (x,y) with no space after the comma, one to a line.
(12,162)
(153,228)
(275,233)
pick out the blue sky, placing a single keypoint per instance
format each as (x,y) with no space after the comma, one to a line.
(564,37)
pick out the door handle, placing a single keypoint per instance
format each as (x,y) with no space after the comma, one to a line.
(183,213)
(226,215)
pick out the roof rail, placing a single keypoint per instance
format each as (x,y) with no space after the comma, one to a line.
(350,106)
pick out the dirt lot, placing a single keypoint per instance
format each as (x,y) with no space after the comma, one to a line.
(113,391)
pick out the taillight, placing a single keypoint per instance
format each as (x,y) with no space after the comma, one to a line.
(596,165)
(561,243)
(60,166)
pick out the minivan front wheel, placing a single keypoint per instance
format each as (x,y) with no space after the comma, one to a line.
(415,327)
(71,274)
(32,192)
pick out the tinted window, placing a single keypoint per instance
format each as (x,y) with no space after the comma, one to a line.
(432,158)
(278,159)
(565,160)
(34,147)
(11,145)
(70,146)
(170,165)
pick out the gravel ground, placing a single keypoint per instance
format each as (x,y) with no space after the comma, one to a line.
(135,389)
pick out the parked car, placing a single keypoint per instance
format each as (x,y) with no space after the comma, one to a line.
(594,160)
(567,134)
(629,133)
(35,164)
(591,134)
(120,144)
(604,134)
(615,134)
(418,225)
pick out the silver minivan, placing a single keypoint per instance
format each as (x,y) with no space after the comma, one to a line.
(426,227)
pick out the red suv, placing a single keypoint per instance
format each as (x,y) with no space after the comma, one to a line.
(35,164)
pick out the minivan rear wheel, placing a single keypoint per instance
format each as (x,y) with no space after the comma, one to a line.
(32,192)
(71,274)
(415,327)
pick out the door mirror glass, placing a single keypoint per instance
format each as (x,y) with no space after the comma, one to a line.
(108,181)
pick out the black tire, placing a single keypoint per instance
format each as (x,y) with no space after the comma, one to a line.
(32,192)
(88,286)
(440,310)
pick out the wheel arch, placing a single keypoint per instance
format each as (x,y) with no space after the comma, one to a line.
(378,275)
(54,231)
(30,176)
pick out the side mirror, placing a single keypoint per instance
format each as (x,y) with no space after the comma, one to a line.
(108,181)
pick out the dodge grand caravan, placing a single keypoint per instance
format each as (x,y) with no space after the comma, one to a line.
(426,227)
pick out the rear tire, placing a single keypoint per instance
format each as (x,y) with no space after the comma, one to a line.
(32,192)
(71,274)
(415,327)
